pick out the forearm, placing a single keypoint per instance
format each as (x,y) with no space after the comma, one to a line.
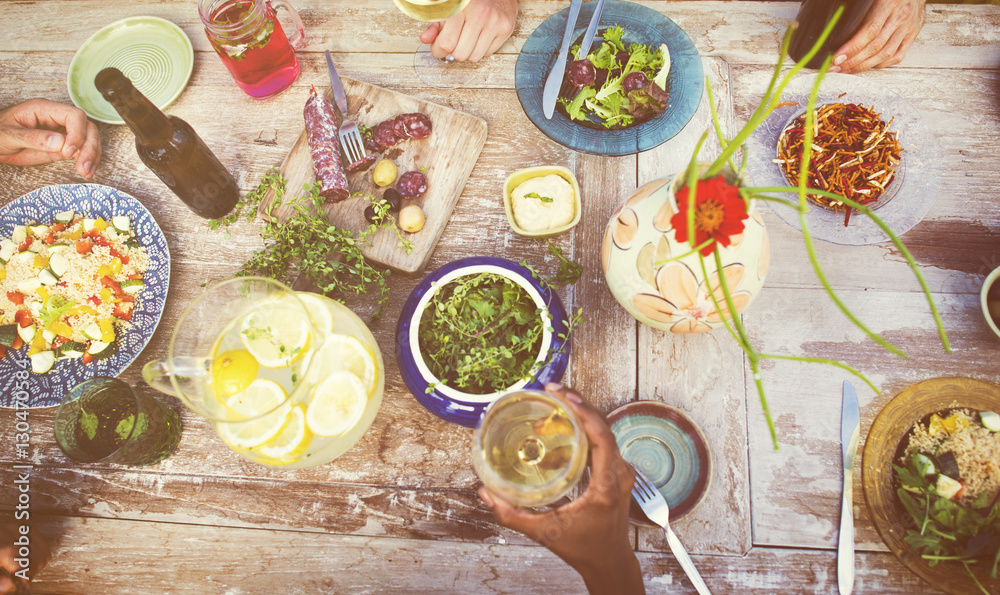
(620,577)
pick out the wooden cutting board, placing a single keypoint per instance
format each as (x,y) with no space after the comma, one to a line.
(446,157)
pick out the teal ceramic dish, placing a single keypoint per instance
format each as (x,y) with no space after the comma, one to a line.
(154,53)
(686,80)
(669,449)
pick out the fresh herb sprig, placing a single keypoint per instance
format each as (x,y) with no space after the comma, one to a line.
(309,244)
(946,530)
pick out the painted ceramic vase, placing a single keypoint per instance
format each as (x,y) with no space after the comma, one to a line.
(674,295)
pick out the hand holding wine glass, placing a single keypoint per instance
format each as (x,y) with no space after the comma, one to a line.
(591,533)
(474,33)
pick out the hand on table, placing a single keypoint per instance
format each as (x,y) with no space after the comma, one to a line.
(40,131)
(590,533)
(38,556)
(885,36)
(476,32)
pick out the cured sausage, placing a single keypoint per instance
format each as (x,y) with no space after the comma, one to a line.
(415,125)
(321,129)
(411,185)
(362,164)
(385,135)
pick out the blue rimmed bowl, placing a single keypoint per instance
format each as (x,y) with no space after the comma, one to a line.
(454,405)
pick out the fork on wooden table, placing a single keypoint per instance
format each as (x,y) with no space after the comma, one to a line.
(350,136)
(652,502)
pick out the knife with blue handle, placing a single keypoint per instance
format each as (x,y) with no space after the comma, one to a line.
(554,81)
(850,433)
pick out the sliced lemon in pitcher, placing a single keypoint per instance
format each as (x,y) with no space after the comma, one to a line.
(342,353)
(318,310)
(337,404)
(232,372)
(291,442)
(260,405)
(276,338)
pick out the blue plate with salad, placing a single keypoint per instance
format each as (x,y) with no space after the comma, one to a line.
(84,277)
(614,109)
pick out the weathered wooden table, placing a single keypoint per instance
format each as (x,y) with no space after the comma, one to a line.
(399,510)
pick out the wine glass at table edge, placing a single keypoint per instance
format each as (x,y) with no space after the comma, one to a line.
(529,448)
(433,71)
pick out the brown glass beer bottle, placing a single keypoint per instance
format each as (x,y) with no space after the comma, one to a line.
(812,19)
(172,149)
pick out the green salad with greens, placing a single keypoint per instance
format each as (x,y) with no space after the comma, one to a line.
(616,85)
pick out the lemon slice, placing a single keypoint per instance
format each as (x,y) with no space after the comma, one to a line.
(342,353)
(233,372)
(291,442)
(276,338)
(337,404)
(318,310)
(261,397)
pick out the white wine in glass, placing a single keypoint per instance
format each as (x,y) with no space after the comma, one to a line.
(431,10)
(529,448)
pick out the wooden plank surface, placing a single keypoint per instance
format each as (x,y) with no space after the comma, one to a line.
(445,158)
(111,556)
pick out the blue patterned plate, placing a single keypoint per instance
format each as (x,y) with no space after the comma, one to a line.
(669,449)
(642,25)
(93,200)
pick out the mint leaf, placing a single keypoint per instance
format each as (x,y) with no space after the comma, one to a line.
(541,198)
(125,427)
(89,422)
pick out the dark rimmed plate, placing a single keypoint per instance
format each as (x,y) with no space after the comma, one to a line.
(882,446)
(669,449)
(910,196)
(642,25)
(93,200)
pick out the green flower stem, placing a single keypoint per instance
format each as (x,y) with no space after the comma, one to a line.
(865,210)
(819,360)
(691,182)
(737,336)
(772,96)
(806,236)
(752,355)
(697,248)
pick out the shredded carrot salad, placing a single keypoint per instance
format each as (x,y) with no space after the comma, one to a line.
(854,154)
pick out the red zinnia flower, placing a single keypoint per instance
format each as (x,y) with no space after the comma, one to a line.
(718,213)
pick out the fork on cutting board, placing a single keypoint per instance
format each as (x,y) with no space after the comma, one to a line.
(350,136)
(653,504)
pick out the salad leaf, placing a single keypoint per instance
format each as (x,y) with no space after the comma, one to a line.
(575,108)
(54,308)
(613,37)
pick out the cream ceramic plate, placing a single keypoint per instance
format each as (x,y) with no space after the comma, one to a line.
(154,53)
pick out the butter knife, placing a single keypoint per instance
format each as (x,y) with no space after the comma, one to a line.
(554,81)
(850,432)
(588,37)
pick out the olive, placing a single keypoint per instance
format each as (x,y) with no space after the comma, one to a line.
(392,196)
(370,215)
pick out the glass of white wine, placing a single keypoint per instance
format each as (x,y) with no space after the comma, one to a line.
(433,71)
(529,448)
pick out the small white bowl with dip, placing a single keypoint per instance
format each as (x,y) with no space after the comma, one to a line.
(542,201)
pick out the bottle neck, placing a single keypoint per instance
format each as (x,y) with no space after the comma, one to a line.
(142,116)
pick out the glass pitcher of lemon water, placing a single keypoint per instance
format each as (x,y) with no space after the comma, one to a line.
(289,379)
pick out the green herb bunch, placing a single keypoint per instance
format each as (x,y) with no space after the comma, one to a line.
(947,530)
(308,244)
(481,333)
